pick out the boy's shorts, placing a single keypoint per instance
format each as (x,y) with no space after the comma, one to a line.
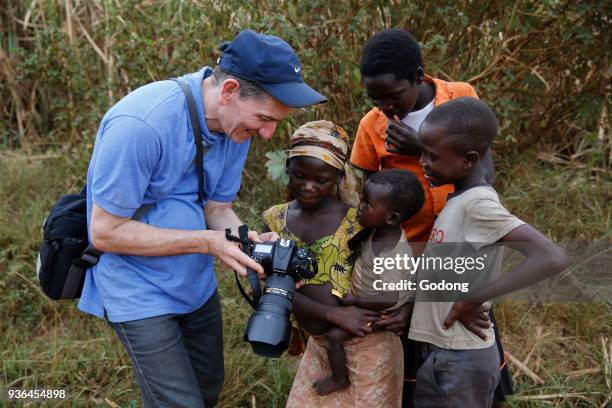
(456,378)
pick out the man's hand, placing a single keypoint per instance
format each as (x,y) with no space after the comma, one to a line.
(231,255)
(397,321)
(473,315)
(402,139)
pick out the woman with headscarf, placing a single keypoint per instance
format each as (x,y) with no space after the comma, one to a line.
(322,217)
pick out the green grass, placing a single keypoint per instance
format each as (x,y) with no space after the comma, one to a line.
(56,86)
(50,344)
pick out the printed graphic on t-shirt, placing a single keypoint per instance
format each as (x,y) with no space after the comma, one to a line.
(437,235)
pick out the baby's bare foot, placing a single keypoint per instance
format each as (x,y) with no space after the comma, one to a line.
(330,384)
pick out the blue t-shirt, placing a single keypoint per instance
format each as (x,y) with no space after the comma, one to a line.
(145,154)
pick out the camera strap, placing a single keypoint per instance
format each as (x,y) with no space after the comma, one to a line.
(197,135)
(243,238)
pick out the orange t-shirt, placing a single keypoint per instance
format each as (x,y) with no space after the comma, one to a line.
(369,153)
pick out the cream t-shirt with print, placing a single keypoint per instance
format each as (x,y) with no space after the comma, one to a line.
(476,216)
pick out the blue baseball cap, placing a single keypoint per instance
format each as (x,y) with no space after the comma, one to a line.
(272,64)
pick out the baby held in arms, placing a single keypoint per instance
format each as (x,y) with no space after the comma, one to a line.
(390,197)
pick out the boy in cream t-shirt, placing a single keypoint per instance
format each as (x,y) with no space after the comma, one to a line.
(460,369)
(474,216)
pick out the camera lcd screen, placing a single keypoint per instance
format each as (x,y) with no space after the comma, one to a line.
(261,248)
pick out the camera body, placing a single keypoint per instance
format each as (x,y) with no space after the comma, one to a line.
(284,257)
(269,327)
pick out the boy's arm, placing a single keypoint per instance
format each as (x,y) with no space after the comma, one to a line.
(377,302)
(543,259)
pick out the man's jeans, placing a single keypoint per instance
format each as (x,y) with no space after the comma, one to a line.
(177,359)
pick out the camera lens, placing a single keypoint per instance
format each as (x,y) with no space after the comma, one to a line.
(269,327)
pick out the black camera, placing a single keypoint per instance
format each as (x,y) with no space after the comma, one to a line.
(269,327)
(283,257)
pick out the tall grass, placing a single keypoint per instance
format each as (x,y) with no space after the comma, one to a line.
(542,65)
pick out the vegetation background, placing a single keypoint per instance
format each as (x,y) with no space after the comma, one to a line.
(542,65)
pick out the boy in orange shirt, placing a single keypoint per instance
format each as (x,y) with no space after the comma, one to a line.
(392,71)
(393,75)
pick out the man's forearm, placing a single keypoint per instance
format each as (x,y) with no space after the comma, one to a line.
(137,238)
(110,233)
(220,216)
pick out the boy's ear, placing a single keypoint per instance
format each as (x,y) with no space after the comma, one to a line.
(471,159)
(420,75)
(393,218)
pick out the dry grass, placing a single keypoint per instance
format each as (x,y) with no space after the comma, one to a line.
(542,66)
(51,344)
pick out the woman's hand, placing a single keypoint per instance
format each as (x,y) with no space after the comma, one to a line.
(354,320)
(397,321)
(473,315)
(263,237)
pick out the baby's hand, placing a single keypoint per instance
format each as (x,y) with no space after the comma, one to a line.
(347,300)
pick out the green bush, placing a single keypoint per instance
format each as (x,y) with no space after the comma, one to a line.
(541,65)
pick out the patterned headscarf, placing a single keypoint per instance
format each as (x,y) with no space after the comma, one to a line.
(329,142)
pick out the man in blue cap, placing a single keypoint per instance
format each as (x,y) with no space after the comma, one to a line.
(155,283)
